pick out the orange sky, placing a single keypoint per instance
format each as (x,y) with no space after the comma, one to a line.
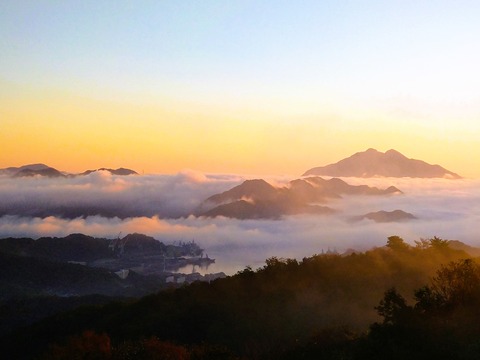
(238,86)
(74,133)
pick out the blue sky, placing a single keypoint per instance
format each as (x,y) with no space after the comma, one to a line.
(213,45)
(387,64)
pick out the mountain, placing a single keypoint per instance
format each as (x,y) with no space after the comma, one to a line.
(14,170)
(257,199)
(119,171)
(371,163)
(386,216)
(242,209)
(48,172)
(83,248)
(335,187)
(81,265)
(45,170)
(32,170)
(257,189)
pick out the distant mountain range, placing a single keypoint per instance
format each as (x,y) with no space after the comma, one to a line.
(32,170)
(371,163)
(47,171)
(386,216)
(257,199)
(119,171)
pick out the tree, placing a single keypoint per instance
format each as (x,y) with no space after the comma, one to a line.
(458,283)
(396,243)
(438,243)
(392,307)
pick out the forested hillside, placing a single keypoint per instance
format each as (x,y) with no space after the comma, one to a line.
(323,304)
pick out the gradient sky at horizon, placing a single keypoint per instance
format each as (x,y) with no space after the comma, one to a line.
(265,87)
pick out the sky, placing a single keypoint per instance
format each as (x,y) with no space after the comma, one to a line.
(253,87)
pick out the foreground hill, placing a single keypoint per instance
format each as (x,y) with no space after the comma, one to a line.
(136,251)
(257,199)
(78,265)
(42,277)
(371,163)
(321,304)
(22,276)
(82,248)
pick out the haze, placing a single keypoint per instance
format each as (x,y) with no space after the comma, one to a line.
(152,205)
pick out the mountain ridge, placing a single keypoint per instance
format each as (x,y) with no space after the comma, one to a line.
(372,163)
(257,199)
(40,169)
(383,216)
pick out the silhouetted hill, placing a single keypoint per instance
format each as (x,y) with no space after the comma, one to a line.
(257,189)
(14,170)
(87,249)
(47,171)
(335,187)
(257,199)
(386,216)
(74,247)
(119,171)
(242,209)
(22,276)
(272,313)
(50,172)
(38,276)
(373,163)
(32,170)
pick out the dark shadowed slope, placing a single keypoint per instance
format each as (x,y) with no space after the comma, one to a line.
(257,189)
(256,199)
(14,170)
(32,170)
(372,163)
(284,305)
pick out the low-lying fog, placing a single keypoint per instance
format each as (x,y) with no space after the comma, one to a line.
(154,205)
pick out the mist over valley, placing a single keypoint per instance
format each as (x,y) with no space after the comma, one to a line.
(241,220)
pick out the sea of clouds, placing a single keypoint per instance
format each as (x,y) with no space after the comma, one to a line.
(104,205)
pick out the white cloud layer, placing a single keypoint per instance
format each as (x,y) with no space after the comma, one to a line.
(101,193)
(445,208)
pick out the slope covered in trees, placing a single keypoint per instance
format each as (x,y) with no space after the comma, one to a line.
(323,304)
